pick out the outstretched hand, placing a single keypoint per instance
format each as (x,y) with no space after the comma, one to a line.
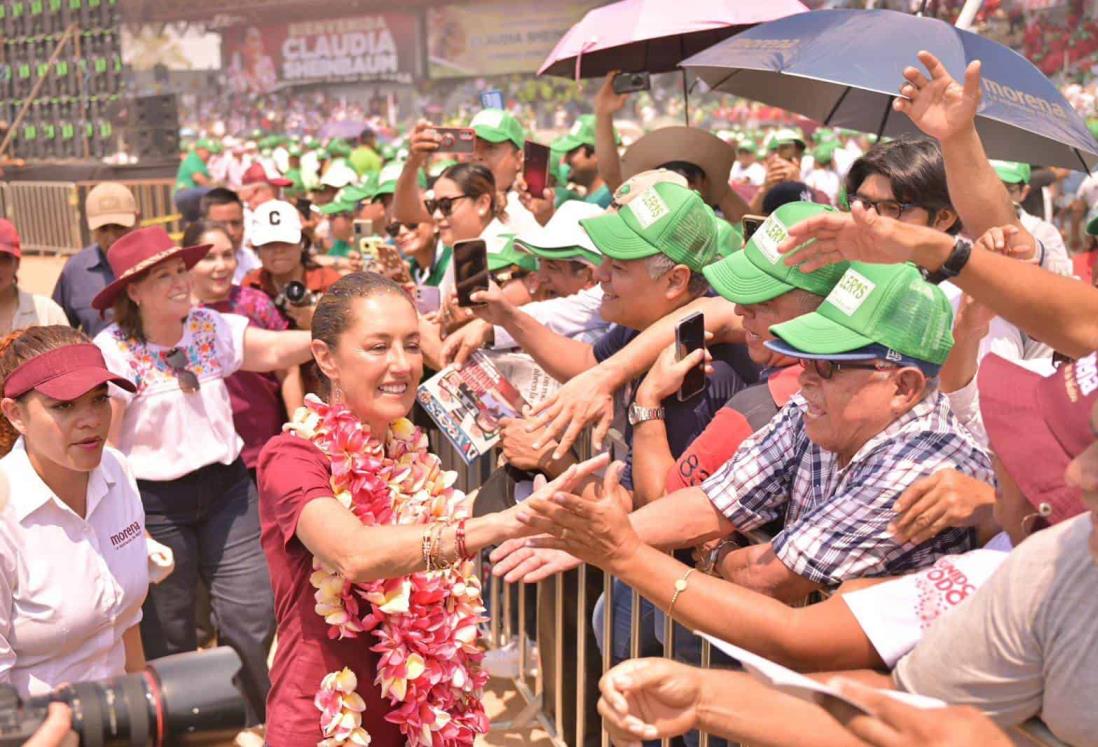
(582,400)
(940,106)
(830,238)
(649,699)
(516,518)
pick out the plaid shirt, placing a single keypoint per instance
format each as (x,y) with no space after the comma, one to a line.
(836,518)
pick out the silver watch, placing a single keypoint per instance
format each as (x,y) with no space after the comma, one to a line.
(638,414)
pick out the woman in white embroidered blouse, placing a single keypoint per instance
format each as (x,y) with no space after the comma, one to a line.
(73,570)
(177,431)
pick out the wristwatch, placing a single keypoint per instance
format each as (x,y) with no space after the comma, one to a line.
(638,414)
(953,265)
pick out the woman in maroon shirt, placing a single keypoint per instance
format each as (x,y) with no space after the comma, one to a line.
(366,342)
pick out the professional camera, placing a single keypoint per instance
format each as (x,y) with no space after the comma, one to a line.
(185,699)
(295,294)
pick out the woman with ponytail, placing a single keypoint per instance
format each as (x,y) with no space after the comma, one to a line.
(73,554)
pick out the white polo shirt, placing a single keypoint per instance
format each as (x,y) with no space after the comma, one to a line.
(69,587)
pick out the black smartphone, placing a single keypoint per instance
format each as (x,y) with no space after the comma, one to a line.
(690,336)
(631,82)
(535,169)
(456,139)
(751,224)
(470,269)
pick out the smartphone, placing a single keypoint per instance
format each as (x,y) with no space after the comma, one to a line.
(428,299)
(492,99)
(690,336)
(535,169)
(631,82)
(456,139)
(751,224)
(392,265)
(470,269)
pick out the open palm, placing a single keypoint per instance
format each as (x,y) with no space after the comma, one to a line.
(660,693)
(940,106)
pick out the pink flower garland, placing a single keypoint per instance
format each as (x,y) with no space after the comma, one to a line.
(426,624)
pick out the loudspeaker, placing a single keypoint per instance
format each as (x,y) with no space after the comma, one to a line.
(158,112)
(154,143)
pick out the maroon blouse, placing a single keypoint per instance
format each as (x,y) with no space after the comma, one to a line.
(292,472)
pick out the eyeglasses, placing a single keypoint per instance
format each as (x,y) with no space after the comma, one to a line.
(393,229)
(444,205)
(884,208)
(826,369)
(176,358)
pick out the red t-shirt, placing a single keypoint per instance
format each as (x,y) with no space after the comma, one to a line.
(292,472)
(730,426)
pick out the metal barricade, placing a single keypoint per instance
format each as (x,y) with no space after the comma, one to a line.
(154,204)
(47,215)
(534,689)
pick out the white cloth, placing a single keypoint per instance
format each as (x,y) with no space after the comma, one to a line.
(70,587)
(1088,192)
(576,316)
(965,402)
(895,614)
(246,261)
(755,174)
(34,311)
(1003,338)
(1055,256)
(826,181)
(167,433)
(519,219)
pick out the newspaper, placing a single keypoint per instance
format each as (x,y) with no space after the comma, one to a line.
(525,375)
(468,403)
(795,684)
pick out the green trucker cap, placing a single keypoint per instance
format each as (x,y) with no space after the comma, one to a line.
(496,125)
(582,133)
(664,219)
(210,144)
(759,273)
(890,306)
(729,238)
(1011,172)
(509,255)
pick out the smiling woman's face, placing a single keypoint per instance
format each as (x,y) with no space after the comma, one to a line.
(164,291)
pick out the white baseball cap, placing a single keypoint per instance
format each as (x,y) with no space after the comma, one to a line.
(275,221)
(563,237)
(338,175)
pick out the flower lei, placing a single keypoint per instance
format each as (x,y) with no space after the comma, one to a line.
(426,624)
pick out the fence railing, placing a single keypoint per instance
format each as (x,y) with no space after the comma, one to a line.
(565,644)
(50,216)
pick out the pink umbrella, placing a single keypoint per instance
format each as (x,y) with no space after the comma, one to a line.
(654,35)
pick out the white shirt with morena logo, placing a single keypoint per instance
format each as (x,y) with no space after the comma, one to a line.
(70,587)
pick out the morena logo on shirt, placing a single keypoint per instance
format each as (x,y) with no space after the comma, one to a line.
(124,537)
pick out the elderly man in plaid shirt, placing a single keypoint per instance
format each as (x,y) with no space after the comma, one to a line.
(869,421)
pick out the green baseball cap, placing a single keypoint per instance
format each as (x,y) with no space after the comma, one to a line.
(663,219)
(213,146)
(388,176)
(338,149)
(784,136)
(1012,172)
(582,133)
(511,255)
(759,273)
(729,238)
(824,152)
(887,308)
(496,126)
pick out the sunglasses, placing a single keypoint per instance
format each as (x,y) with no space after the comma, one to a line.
(444,205)
(393,229)
(826,369)
(176,358)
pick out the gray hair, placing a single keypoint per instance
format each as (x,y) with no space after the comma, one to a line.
(660,264)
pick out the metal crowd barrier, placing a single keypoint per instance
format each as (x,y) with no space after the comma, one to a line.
(545,698)
(50,215)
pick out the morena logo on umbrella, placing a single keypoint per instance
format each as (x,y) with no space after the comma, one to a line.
(1012,96)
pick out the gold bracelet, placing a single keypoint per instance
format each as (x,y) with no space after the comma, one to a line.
(436,557)
(427,548)
(680,587)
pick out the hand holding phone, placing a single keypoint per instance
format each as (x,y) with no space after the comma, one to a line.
(470,269)
(392,265)
(456,139)
(690,336)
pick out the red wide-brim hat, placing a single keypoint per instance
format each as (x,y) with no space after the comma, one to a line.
(139,251)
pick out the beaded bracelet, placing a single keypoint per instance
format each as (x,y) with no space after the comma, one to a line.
(462,550)
(439,527)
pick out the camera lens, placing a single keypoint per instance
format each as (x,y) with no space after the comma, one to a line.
(295,292)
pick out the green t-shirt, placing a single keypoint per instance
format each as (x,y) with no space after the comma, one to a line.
(340,248)
(563,194)
(364,160)
(191,165)
(601,197)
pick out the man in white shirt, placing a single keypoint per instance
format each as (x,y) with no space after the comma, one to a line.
(747,168)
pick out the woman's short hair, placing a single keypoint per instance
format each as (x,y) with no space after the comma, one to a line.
(914,168)
(21,346)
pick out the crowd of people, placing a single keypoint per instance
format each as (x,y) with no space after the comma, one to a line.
(896,420)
